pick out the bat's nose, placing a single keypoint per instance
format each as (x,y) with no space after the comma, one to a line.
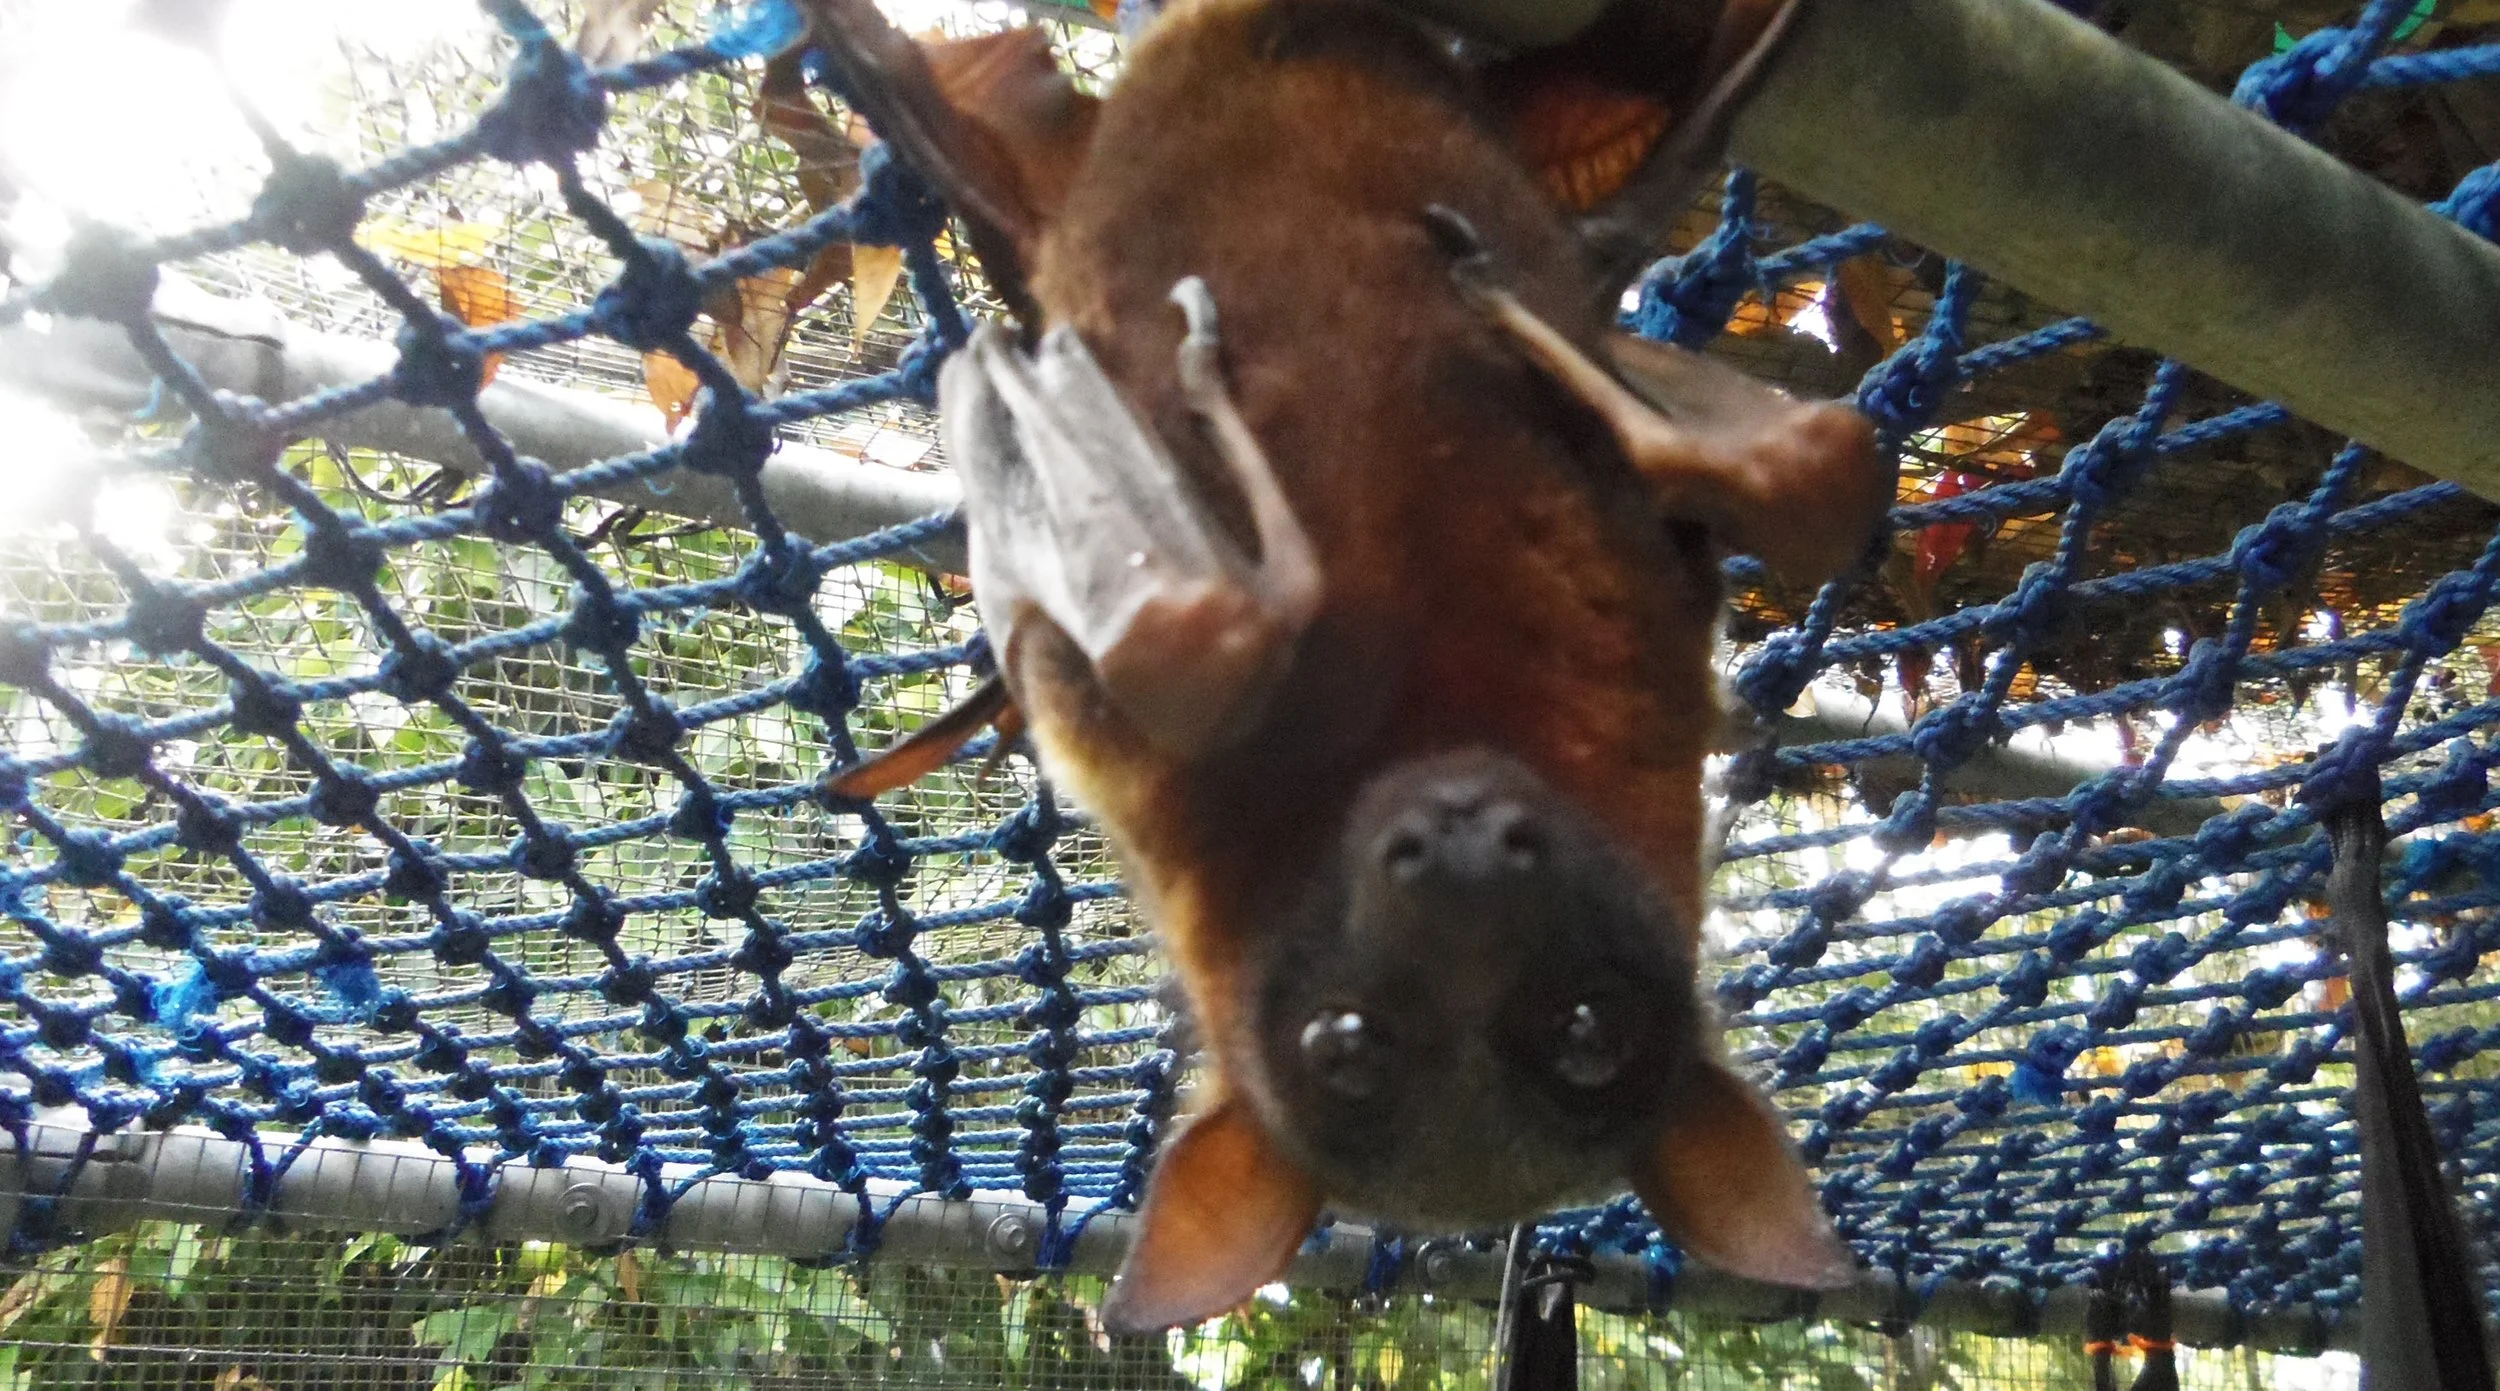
(1461,834)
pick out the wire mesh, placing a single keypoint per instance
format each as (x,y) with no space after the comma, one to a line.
(180,1306)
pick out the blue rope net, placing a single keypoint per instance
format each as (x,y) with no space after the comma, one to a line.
(445,816)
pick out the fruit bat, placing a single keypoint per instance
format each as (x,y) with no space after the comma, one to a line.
(1361,582)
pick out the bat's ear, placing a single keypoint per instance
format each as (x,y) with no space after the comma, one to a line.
(991,121)
(1797,483)
(1726,1184)
(1627,123)
(1224,1215)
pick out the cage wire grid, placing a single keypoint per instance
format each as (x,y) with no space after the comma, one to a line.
(376,800)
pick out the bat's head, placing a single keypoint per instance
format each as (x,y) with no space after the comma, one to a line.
(1481,1012)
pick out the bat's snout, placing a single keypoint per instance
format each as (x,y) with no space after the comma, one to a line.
(1463,834)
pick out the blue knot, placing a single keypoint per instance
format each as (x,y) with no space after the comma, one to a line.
(345,796)
(439,365)
(593,917)
(105,274)
(1689,299)
(2277,550)
(307,205)
(2118,1005)
(491,768)
(179,1000)
(652,301)
(827,688)
(116,747)
(599,622)
(1923,965)
(729,440)
(25,654)
(2475,202)
(894,206)
(2435,623)
(2459,787)
(415,871)
(1911,826)
(521,503)
(341,555)
(761,30)
(89,860)
(880,862)
(1026,837)
(782,580)
(2040,1076)
(231,445)
(1906,391)
(700,816)
(2299,88)
(727,892)
(2346,772)
(550,110)
(1948,737)
(2157,959)
(263,709)
(2042,867)
(421,668)
(544,852)
(1776,676)
(2204,688)
(2026,982)
(164,622)
(2268,987)
(649,732)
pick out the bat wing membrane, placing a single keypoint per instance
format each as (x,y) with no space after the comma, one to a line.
(1081,519)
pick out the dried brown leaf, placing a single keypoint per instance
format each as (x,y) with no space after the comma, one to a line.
(876,271)
(612,30)
(107,1300)
(480,297)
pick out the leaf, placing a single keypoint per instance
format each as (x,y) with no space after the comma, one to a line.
(612,30)
(1940,545)
(875,271)
(469,1333)
(629,1277)
(663,210)
(107,1300)
(828,156)
(1871,285)
(432,246)
(480,297)
(672,386)
(30,1290)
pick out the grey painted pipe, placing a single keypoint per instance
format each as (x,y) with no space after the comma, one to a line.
(189,1174)
(246,347)
(2011,135)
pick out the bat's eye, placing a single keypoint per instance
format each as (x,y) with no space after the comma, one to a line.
(1589,1055)
(1344,1052)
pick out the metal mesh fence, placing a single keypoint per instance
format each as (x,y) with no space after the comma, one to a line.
(182,1306)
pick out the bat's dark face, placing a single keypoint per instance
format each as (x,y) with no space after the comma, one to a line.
(1481,1013)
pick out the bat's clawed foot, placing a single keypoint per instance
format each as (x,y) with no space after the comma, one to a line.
(1287,582)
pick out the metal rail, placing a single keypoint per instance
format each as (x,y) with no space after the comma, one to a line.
(248,348)
(189,1174)
(2010,135)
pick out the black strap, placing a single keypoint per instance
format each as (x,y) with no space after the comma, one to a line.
(2104,1322)
(1537,1333)
(2148,1320)
(2421,1311)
